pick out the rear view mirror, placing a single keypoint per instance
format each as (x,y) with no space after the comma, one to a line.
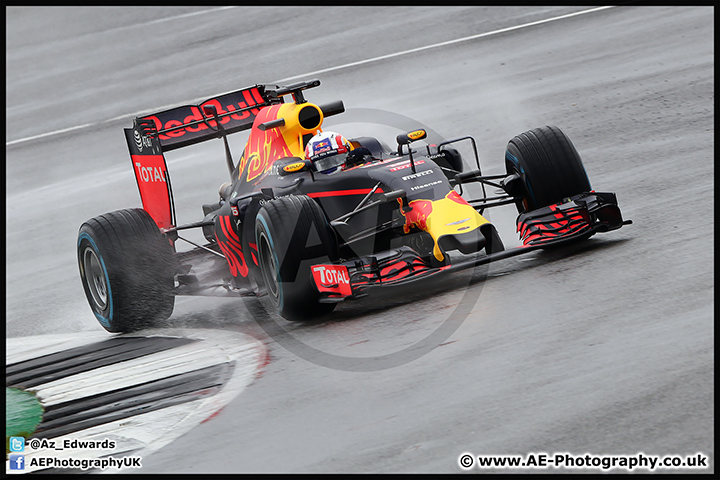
(209,110)
(406,138)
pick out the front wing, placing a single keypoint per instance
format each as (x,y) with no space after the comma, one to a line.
(577,218)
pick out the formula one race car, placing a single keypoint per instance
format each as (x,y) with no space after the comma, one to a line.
(310,218)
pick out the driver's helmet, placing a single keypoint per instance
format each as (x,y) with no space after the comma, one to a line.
(328,151)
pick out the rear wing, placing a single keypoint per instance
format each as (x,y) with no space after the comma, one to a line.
(178,127)
(186,125)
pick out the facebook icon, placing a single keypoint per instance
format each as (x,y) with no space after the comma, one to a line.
(17,462)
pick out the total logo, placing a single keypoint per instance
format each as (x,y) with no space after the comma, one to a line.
(331,275)
(332,279)
(403,165)
(150,174)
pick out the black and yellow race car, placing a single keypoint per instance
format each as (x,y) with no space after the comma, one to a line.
(307,238)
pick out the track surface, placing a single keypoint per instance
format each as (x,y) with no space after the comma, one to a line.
(606,348)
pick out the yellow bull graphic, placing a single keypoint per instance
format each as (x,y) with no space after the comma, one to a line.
(447,216)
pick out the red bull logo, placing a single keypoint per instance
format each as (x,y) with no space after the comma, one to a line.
(450,216)
(321,147)
(418,215)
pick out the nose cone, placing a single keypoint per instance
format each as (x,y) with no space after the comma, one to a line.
(449,216)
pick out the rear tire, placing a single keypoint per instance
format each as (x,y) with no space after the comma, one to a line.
(292,234)
(549,166)
(126,268)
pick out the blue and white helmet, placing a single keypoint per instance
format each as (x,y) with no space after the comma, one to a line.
(328,151)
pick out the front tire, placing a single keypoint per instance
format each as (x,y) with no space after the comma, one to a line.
(549,167)
(292,234)
(126,268)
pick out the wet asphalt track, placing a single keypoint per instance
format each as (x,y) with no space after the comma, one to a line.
(606,348)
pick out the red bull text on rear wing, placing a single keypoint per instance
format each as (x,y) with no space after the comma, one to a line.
(186,125)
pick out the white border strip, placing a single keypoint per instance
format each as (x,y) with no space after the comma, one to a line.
(330,69)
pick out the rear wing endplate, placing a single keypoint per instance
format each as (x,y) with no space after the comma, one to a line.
(151,173)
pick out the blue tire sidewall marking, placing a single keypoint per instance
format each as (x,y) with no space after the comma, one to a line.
(105,322)
(511,157)
(587,179)
(277,264)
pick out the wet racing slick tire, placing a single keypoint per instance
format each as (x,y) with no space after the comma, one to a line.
(292,234)
(126,270)
(549,167)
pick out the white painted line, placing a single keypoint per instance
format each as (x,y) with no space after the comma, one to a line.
(443,44)
(325,70)
(187,15)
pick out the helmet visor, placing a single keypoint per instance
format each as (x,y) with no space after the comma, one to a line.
(330,162)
